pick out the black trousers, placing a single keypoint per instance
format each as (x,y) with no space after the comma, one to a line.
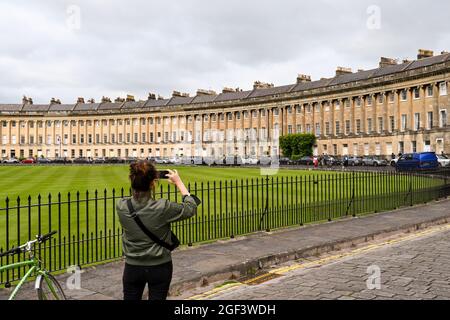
(157,278)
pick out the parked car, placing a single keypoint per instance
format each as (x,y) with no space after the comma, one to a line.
(331,161)
(82,160)
(417,161)
(283,160)
(355,161)
(130,159)
(264,160)
(28,161)
(443,160)
(99,160)
(41,160)
(61,160)
(250,161)
(374,161)
(114,160)
(308,160)
(11,160)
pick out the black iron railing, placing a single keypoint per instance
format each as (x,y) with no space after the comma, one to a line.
(89,231)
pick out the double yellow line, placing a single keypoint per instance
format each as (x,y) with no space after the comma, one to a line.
(319,262)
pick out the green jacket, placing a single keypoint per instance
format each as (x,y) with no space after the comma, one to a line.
(156,215)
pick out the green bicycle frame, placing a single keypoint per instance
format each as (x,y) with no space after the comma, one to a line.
(34,269)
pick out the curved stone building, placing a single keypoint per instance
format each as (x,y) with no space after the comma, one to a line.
(398,107)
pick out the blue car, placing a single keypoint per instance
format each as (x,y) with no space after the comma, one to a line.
(417,161)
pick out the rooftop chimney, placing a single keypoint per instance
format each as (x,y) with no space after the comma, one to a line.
(262,85)
(119,100)
(151,96)
(179,94)
(26,100)
(303,78)
(203,92)
(406,61)
(444,52)
(341,70)
(160,97)
(80,100)
(55,101)
(228,90)
(384,62)
(106,99)
(130,98)
(91,100)
(424,54)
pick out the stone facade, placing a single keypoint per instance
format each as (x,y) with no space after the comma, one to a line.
(395,108)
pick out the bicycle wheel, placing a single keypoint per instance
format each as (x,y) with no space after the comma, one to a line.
(48,288)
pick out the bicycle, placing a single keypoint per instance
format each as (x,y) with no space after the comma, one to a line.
(46,286)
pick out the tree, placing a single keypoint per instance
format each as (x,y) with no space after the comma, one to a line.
(298,145)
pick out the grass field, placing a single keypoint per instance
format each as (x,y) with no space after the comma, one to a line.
(235,201)
(33,180)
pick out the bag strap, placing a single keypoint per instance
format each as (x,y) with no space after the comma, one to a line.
(145,230)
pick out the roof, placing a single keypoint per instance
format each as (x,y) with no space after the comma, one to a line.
(35,107)
(61,107)
(110,106)
(237,95)
(86,106)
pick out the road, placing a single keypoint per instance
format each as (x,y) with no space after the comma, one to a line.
(414,266)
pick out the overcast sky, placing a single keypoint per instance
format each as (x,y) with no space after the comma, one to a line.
(70,49)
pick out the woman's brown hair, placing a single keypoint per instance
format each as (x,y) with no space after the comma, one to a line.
(142,174)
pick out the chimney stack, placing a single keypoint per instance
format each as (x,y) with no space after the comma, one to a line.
(228,90)
(301,78)
(26,100)
(341,71)
(179,94)
(384,62)
(91,100)
(55,101)
(119,100)
(423,53)
(80,100)
(203,92)
(105,99)
(130,98)
(151,96)
(444,52)
(262,85)
(160,97)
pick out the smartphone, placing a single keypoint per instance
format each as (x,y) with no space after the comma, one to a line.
(163,174)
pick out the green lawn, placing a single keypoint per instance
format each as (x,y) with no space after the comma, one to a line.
(236,201)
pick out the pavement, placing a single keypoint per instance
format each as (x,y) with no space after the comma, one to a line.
(412,267)
(198,267)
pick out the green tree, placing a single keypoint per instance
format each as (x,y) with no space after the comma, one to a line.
(297,145)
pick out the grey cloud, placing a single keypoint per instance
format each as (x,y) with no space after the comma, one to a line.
(141,46)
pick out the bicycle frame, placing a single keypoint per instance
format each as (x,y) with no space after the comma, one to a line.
(34,268)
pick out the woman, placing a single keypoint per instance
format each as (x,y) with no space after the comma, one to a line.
(147,262)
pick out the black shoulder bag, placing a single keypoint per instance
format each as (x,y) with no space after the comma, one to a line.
(170,247)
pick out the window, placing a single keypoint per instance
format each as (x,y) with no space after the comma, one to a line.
(13,124)
(442,118)
(347,127)
(151,136)
(238,115)
(89,138)
(358,102)
(403,95)
(337,105)
(143,137)
(299,109)
(263,112)
(414,146)
(289,129)
(74,139)
(128,137)
(327,128)
(31,139)
(380,98)
(358,126)
(136,137)
(443,88)
(430,120)
(299,128)
(391,97)
(369,100)
(392,123)
(308,128)
(81,138)
(22,139)
(430,91)
(338,128)
(416,93)
(404,119)
(369,125)
(380,124)
(229,116)
(4,124)
(245,114)
(288,109)
(416,121)
(205,118)
(97,138)
(275,112)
